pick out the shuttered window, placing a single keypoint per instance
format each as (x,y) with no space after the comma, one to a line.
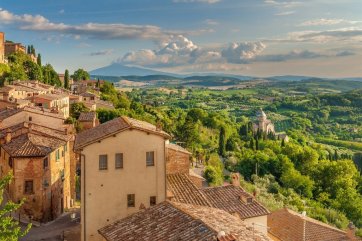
(119,161)
(150,158)
(131,200)
(103,162)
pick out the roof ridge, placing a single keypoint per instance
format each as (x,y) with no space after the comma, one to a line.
(191,215)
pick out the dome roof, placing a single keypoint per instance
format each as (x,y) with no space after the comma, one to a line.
(261,113)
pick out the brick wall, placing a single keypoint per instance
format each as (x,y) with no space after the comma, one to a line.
(177,162)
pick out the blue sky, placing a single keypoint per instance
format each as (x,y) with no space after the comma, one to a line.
(248,37)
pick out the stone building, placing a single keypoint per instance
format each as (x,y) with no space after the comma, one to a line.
(2,48)
(53,102)
(263,124)
(123,171)
(285,225)
(11,48)
(39,158)
(88,120)
(178,221)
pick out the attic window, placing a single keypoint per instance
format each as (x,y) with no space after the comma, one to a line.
(249,200)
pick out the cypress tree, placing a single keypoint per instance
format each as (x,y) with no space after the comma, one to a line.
(222,141)
(38,60)
(66,79)
(251,144)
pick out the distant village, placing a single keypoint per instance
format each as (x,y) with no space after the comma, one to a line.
(134,182)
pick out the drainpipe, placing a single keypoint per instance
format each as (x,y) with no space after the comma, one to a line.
(83,202)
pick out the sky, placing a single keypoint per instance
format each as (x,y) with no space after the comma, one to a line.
(320,38)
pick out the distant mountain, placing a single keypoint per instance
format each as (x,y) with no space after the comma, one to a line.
(117,69)
(288,78)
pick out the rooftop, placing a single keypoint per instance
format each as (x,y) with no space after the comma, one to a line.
(286,224)
(113,127)
(175,221)
(87,116)
(233,199)
(177,148)
(32,145)
(183,190)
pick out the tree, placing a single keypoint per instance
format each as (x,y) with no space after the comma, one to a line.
(33,70)
(10,229)
(80,74)
(251,144)
(222,141)
(50,76)
(76,109)
(38,60)
(66,79)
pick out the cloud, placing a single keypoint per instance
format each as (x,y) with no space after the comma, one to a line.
(283,4)
(324,22)
(345,53)
(91,30)
(344,34)
(293,55)
(197,1)
(181,51)
(239,53)
(211,22)
(102,52)
(61,11)
(285,13)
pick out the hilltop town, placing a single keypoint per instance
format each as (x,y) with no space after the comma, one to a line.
(90,162)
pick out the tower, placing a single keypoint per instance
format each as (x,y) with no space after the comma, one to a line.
(262,120)
(2,48)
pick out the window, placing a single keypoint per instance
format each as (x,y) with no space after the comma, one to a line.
(10,162)
(103,162)
(57,155)
(45,163)
(66,147)
(119,161)
(131,200)
(30,118)
(28,187)
(152,200)
(150,158)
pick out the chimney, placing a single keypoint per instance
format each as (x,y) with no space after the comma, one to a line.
(158,126)
(246,199)
(8,137)
(222,236)
(351,231)
(235,179)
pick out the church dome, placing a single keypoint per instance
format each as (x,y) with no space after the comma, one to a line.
(261,113)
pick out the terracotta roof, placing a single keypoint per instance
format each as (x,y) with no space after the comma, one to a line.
(286,225)
(43,111)
(183,190)
(233,199)
(31,145)
(37,129)
(87,116)
(6,113)
(88,94)
(170,221)
(177,148)
(50,96)
(112,127)
(6,89)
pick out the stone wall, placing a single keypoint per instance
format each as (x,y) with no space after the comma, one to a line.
(177,162)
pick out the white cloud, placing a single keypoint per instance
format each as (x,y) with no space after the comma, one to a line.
(239,53)
(91,30)
(336,35)
(283,4)
(211,22)
(181,51)
(285,13)
(102,52)
(196,1)
(324,21)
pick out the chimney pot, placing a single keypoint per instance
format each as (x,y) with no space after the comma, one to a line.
(235,179)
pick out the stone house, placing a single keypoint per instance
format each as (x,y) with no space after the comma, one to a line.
(285,225)
(88,120)
(55,102)
(51,119)
(178,221)
(39,158)
(123,171)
